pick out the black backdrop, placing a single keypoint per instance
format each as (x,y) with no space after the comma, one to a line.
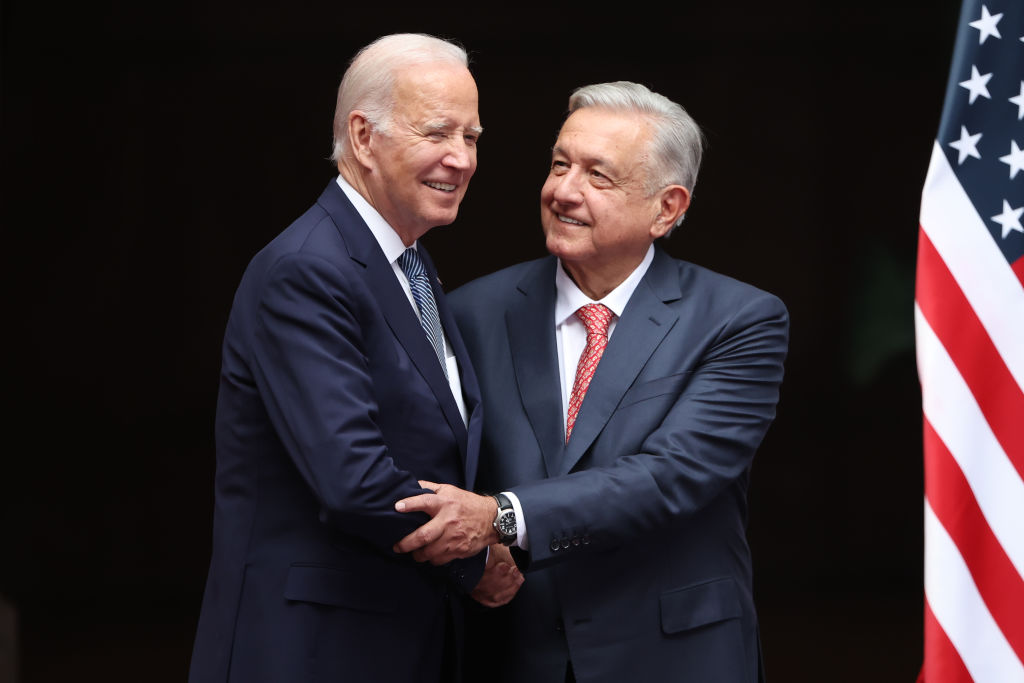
(149,151)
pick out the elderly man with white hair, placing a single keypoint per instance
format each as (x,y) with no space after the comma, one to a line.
(344,382)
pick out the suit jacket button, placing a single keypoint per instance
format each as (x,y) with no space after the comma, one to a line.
(554,545)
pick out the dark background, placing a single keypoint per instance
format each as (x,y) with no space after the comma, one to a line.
(149,150)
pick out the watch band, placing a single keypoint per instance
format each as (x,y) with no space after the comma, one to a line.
(505,520)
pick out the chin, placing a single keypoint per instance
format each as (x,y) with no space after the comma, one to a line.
(558,247)
(446,218)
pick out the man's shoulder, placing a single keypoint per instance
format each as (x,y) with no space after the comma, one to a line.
(501,284)
(314,246)
(712,283)
(316,234)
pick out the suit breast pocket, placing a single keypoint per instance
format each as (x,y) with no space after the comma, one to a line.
(671,384)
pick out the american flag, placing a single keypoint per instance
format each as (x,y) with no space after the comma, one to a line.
(969,317)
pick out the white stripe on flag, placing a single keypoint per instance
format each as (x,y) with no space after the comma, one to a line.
(959,234)
(954,414)
(954,600)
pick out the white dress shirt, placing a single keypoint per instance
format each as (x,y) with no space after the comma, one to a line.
(392,246)
(571,340)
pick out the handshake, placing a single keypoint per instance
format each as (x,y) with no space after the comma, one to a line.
(461,525)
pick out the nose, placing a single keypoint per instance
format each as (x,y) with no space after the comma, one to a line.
(460,156)
(566,188)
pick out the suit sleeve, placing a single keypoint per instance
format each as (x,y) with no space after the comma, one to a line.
(703,446)
(312,371)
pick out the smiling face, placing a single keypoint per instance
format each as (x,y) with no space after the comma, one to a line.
(597,217)
(420,168)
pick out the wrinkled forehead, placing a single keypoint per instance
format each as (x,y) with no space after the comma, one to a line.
(601,136)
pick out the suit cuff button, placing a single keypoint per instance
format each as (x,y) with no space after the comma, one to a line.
(575,541)
(554,545)
(586,539)
(565,543)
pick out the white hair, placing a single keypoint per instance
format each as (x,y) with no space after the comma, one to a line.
(369,82)
(677,143)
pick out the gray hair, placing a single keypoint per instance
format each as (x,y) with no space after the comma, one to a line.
(369,81)
(677,143)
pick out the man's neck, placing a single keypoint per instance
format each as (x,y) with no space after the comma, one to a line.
(598,282)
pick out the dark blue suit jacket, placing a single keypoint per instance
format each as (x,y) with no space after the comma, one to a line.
(639,568)
(332,404)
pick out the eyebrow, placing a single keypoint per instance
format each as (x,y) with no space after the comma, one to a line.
(590,161)
(445,125)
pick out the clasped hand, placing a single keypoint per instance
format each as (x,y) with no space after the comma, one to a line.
(461,526)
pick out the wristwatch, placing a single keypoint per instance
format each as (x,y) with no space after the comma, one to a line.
(505,521)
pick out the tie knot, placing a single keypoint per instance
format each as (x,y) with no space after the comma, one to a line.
(596,317)
(411,264)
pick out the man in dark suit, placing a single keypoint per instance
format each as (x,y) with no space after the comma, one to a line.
(625,394)
(344,381)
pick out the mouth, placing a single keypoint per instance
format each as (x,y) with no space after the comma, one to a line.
(566,219)
(443,187)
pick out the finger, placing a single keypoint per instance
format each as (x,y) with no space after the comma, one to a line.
(425,502)
(424,536)
(435,552)
(429,485)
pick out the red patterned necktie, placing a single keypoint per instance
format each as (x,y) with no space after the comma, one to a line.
(596,317)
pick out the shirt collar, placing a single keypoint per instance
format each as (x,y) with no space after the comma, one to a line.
(390,243)
(569,297)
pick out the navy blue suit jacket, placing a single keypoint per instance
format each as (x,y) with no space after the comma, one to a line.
(332,404)
(638,564)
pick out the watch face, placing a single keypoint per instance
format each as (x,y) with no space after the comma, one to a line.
(507,524)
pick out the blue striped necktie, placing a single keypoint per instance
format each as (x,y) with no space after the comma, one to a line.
(419,283)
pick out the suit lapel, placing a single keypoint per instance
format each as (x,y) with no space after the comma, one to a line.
(395,306)
(467,378)
(531,332)
(643,325)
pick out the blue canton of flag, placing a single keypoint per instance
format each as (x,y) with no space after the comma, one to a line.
(982,128)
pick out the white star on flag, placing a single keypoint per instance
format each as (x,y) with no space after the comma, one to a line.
(967,145)
(1015,159)
(987,25)
(1019,101)
(978,84)
(1009,219)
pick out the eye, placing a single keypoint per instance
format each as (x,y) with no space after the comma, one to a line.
(471,139)
(559,166)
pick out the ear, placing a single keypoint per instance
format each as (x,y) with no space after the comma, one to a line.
(673,201)
(359,134)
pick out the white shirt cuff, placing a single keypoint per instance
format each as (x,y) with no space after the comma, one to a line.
(522,540)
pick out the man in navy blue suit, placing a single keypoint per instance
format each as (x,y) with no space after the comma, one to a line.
(625,394)
(344,381)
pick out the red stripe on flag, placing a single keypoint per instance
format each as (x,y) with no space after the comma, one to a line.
(942,663)
(957,325)
(1018,269)
(949,494)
